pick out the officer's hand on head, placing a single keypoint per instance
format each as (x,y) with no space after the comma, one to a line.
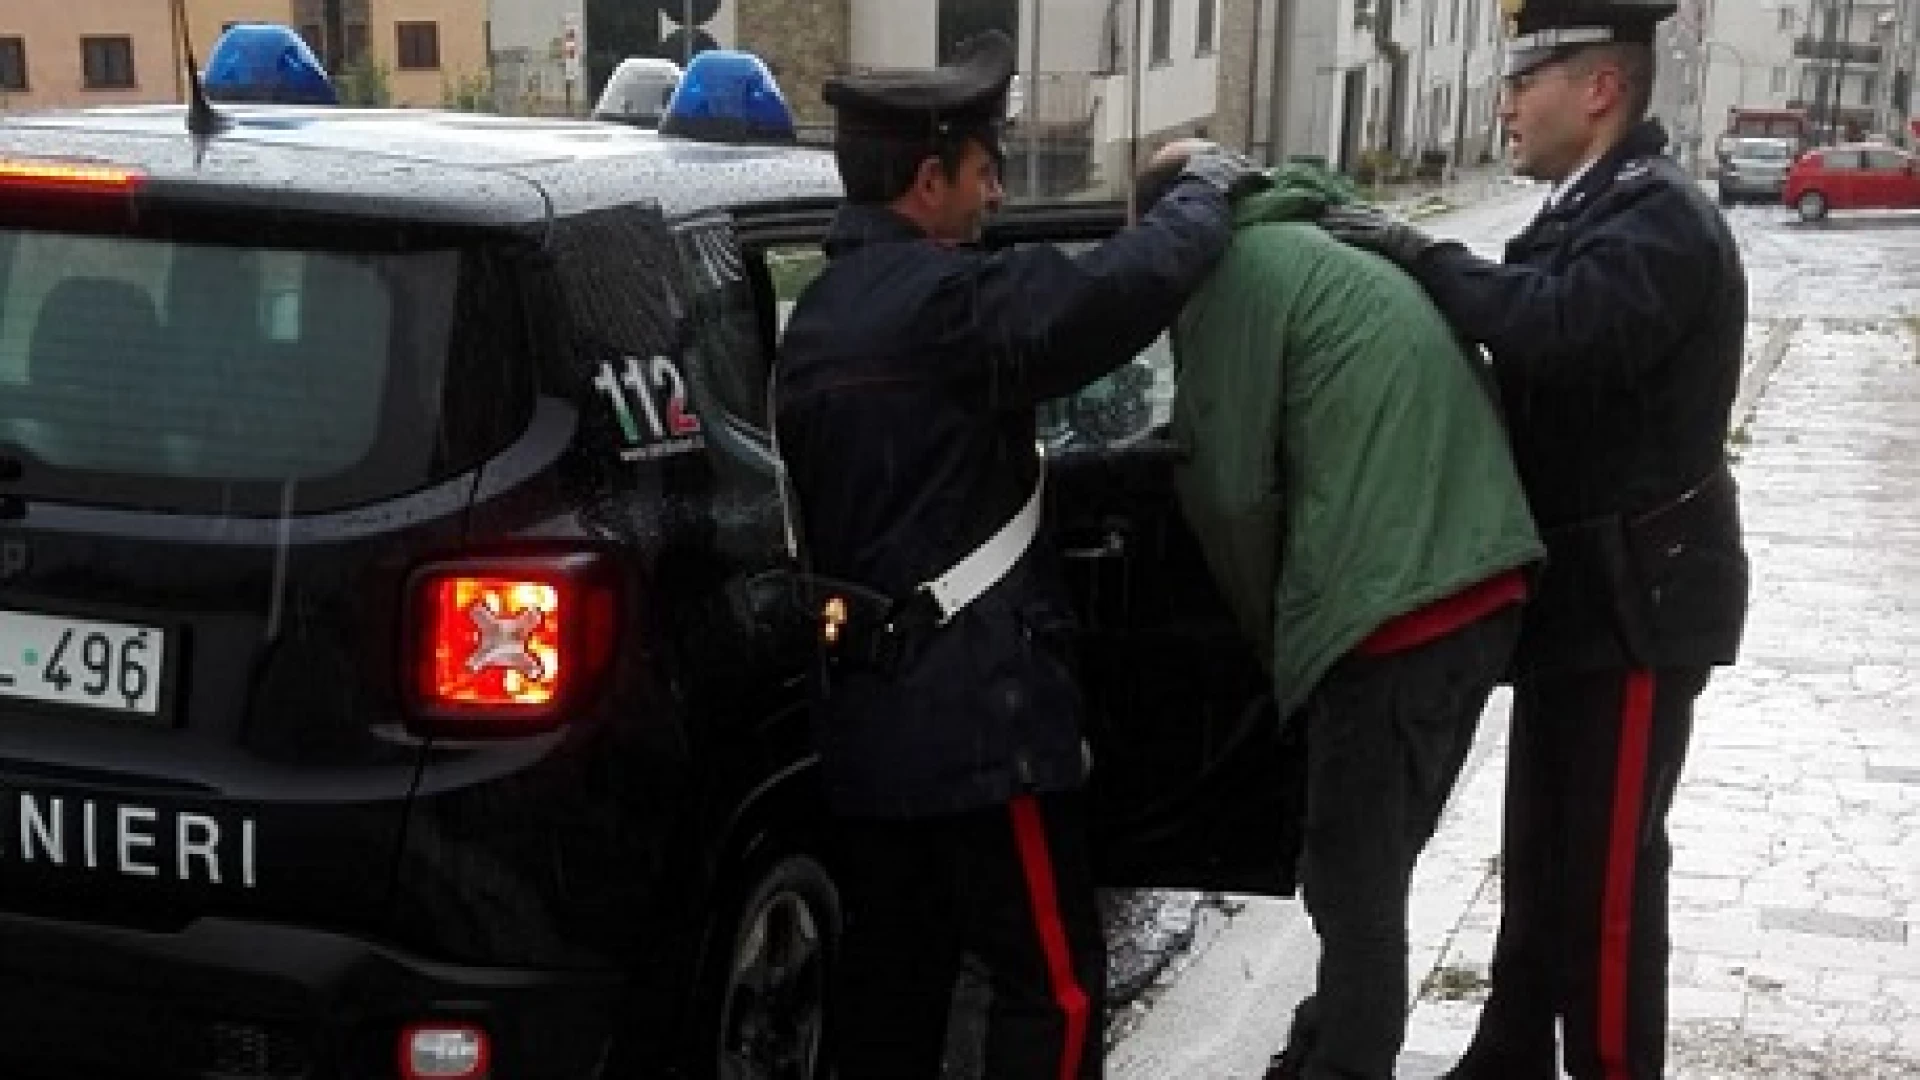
(1376,231)
(1233,175)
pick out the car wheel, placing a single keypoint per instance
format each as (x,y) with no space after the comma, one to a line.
(1812,206)
(769,978)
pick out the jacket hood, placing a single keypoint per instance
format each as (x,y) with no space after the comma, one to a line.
(1295,192)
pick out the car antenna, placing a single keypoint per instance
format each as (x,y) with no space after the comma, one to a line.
(202,121)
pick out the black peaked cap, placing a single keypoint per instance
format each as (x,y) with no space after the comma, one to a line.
(1543,30)
(968,94)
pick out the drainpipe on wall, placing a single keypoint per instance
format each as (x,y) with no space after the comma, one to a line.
(1029,104)
(174,34)
(1460,92)
(1286,20)
(1253,78)
(1421,103)
(1135,76)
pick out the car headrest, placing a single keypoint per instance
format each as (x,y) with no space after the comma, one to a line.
(85,328)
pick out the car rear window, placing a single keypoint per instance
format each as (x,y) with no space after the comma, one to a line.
(219,369)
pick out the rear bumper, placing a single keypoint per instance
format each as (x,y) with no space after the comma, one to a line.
(228,999)
(1752,187)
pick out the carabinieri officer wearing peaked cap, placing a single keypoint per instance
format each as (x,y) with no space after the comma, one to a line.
(1616,329)
(949,723)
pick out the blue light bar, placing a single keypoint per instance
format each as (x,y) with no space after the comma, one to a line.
(266,62)
(728,96)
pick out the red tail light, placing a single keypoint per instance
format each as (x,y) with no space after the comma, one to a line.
(68,177)
(507,646)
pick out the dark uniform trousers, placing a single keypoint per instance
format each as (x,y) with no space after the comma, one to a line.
(1617,331)
(1011,885)
(906,390)
(1595,758)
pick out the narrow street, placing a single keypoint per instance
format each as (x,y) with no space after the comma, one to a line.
(1797,826)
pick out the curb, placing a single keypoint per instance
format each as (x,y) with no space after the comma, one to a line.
(1758,372)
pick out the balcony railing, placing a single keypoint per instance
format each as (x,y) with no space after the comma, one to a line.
(1808,47)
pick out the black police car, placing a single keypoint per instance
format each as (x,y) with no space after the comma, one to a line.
(396,676)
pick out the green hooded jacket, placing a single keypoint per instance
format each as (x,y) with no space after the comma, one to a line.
(1347,464)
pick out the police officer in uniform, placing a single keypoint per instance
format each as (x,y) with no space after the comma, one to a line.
(1615,326)
(905,396)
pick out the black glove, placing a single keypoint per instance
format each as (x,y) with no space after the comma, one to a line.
(1375,231)
(1231,174)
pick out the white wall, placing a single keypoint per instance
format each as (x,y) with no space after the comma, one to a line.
(1072,34)
(1749,58)
(894,33)
(1179,91)
(1313,92)
(1435,55)
(529,23)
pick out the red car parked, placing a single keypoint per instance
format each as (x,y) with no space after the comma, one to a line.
(1869,176)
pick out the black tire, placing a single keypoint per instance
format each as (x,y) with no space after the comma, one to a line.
(1812,206)
(764,994)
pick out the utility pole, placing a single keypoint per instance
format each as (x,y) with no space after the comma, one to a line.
(1467,35)
(1029,104)
(1820,65)
(1134,68)
(1839,39)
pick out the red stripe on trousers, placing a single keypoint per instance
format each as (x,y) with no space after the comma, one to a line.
(1031,838)
(1623,845)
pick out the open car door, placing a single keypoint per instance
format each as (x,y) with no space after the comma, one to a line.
(1196,783)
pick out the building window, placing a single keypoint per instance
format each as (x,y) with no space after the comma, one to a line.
(13,65)
(1787,16)
(1779,80)
(315,38)
(419,45)
(1453,21)
(1161,49)
(360,42)
(1203,30)
(1868,86)
(106,63)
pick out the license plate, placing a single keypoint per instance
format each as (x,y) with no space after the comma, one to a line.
(95,665)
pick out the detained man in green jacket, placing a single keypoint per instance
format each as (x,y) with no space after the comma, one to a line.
(1350,482)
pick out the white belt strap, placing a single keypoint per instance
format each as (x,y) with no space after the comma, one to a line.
(965,581)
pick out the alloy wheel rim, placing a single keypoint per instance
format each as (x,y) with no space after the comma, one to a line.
(772,1015)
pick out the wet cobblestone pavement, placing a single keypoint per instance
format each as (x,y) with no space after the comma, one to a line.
(1797,827)
(1796,887)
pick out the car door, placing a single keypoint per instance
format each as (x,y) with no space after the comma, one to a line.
(1872,184)
(1840,179)
(1890,175)
(1195,781)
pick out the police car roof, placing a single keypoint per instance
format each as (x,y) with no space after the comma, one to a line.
(454,168)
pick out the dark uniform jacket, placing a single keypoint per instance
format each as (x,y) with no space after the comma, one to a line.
(905,394)
(1617,330)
